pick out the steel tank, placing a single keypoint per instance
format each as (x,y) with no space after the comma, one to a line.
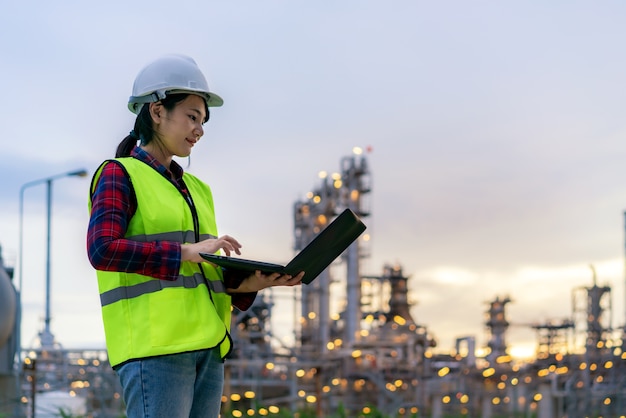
(8,303)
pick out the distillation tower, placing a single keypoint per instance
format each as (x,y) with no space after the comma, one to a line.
(345,190)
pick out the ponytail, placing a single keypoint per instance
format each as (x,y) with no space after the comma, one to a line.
(126,146)
(142,133)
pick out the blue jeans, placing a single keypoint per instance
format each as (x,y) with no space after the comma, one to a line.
(187,385)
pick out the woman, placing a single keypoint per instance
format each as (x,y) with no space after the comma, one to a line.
(166,312)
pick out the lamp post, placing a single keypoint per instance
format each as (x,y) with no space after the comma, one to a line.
(46,337)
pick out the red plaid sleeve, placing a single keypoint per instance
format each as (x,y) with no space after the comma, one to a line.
(113,205)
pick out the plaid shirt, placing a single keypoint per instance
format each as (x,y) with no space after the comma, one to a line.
(113,205)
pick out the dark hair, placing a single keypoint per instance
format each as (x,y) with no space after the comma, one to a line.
(144,128)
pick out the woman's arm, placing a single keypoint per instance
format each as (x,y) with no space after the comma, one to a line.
(113,205)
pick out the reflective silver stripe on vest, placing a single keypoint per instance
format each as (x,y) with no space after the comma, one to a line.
(176,236)
(151,286)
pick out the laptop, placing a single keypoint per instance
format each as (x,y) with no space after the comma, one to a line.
(313,259)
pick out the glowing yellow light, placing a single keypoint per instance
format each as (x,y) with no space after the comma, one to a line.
(322,174)
(489,372)
(235,397)
(337,184)
(537,397)
(335,381)
(335,317)
(263,412)
(356,353)
(311,399)
(317,199)
(398,383)
(367,410)
(274,409)
(330,345)
(445,399)
(250,412)
(495,401)
(501,385)
(607,401)
(582,366)
(312,315)
(399,320)
(237,413)
(369,318)
(326,389)
(301,393)
(300,373)
(503,359)
(249,394)
(443,371)
(543,372)
(464,399)
(608,364)
(269,366)
(562,370)
(514,381)
(357,150)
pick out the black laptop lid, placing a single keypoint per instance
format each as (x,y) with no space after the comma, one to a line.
(313,259)
(327,246)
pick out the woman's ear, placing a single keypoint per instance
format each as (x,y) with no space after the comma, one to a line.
(156,111)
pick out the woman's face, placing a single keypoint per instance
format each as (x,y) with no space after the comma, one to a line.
(180,128)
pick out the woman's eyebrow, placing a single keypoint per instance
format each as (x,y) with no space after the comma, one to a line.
(196,110)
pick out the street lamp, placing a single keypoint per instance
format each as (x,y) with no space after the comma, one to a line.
(46,338)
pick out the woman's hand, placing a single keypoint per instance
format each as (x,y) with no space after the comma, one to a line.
(259,281)
(191,252)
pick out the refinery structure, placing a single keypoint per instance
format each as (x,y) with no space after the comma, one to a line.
(366,355)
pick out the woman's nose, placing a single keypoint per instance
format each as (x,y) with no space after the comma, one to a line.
(199,132)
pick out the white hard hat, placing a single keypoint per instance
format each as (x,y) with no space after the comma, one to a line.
(170,74)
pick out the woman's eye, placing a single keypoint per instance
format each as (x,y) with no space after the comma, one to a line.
(193,118)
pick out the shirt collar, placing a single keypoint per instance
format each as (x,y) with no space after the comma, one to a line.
(175,171)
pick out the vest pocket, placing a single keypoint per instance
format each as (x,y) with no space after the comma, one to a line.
(175,319)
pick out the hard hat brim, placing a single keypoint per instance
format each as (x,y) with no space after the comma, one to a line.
(135,103)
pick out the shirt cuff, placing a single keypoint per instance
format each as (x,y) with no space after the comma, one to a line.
(232,280)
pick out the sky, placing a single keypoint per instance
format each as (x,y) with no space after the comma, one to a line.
(497,133)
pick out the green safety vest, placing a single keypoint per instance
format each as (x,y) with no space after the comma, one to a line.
(144,316)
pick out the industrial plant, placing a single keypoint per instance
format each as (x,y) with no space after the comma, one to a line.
(362,354)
